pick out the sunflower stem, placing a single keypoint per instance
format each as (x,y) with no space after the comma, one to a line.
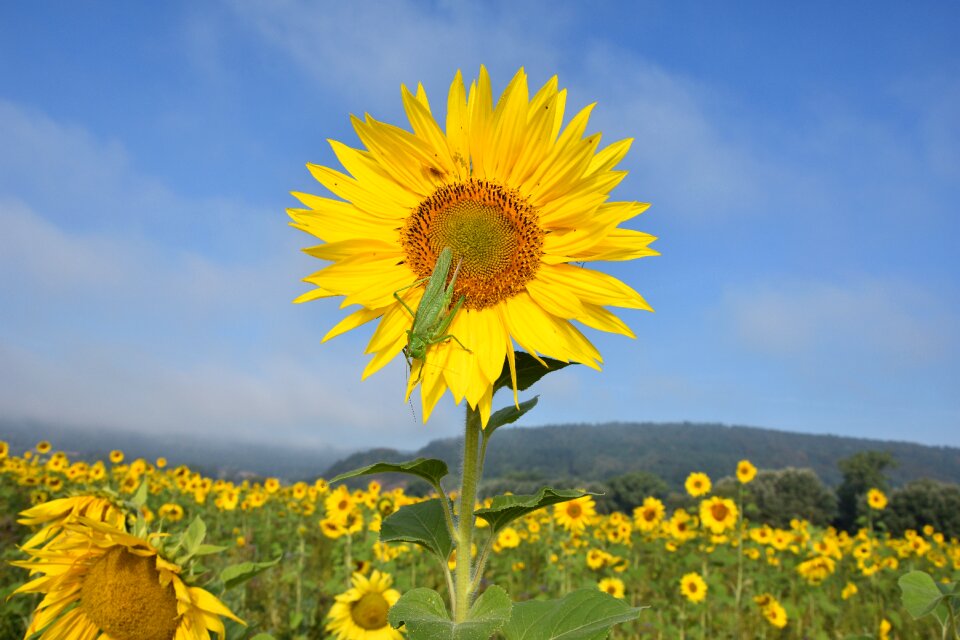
(465,520)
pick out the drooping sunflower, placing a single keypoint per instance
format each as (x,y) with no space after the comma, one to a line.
(517,197)
(361,612)
(101,582)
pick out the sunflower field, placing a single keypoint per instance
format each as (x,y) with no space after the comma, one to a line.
(262,558)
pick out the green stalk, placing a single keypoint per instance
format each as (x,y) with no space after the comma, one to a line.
(465,522)
(739,594)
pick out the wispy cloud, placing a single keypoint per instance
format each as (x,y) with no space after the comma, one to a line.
(876,323)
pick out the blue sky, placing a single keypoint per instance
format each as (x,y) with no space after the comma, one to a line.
(802,161)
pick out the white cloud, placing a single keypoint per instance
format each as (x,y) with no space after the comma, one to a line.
(364,51)
(104,326)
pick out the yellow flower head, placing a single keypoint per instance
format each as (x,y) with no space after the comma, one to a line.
(876,499)
(849,591)
(116,456)
(698,484)
(516,196)
(613,586)
(361,612)
(43,446)
(508,538)
(95,575)
(718,514)
(647,517)
(693,588)
(746,472)
(575,515)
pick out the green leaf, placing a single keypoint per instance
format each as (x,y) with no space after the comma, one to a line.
(139,497)
(505,509)
(429,469)
(237,574)
(207,549)
(529,370)
(920,594)
(586,614)
(194,535)
(426,617)
(422,523)
(508,415)
(262,636)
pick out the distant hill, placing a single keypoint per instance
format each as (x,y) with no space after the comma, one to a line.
(220,456)
(670,450)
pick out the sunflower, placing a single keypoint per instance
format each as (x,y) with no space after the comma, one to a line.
(515,196)
(116,456)
(43,446)
(746,472)
(876,499)
(693,588)
(772,610)
(613,586)
(575,515)
(100,582)
(718,514)
(361,612)
(697,484)
(647,517)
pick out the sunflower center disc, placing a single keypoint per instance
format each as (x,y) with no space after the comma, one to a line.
(494,233)
(370,611)
(719,512)
(121,594)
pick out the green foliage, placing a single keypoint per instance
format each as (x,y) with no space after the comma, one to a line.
(421,523)
(505,509)
(924,502)
(586,614)
(922,596)
(236,574)
(861,472)
(630,489)
(574,455)
(426,618)
(425,468)
(775,497)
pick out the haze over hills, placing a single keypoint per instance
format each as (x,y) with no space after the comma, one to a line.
(671,451)
(223,457)
(582,452)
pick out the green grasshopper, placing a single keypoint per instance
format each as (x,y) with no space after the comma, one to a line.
(434,315)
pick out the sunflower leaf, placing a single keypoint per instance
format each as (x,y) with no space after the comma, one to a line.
(194,535)
(529,370)
(586,614)
(426,618)
(505,509)
(508,415)
(920,593)
(421,523)
(237,574)
(430,469)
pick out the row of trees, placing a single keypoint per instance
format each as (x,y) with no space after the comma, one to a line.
(776,496)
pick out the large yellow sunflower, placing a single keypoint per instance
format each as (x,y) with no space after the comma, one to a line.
(515,195)
(101,583)
(361,612)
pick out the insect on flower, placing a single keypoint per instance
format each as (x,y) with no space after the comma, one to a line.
(433,315)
